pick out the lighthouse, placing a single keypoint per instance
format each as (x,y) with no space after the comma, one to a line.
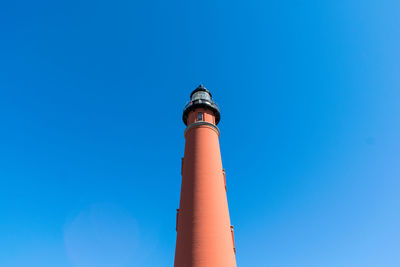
(204,232)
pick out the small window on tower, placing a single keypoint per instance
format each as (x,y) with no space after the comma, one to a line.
(199,116)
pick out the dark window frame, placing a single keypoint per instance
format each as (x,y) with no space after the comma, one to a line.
(200,116)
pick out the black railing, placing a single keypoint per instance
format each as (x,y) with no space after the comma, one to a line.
(201,101)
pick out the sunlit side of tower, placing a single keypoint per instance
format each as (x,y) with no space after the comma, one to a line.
(204,233)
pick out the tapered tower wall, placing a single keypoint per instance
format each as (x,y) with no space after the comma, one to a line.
(204,236)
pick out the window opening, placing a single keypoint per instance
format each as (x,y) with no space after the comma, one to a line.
(199,116)
(233,240)
(177,218)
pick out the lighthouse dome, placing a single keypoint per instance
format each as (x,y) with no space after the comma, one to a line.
(201,98)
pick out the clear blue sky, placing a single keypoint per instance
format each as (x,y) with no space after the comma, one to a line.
(91,140)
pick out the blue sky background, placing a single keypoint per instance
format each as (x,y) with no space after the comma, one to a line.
(91,98)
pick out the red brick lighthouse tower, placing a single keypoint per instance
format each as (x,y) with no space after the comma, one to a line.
(205,235)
